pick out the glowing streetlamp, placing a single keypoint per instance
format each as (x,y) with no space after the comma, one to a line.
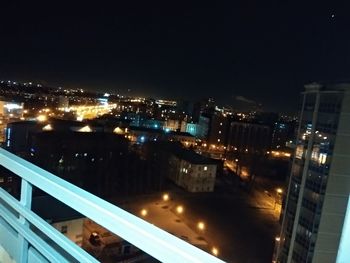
(201,226)
(215,251)
(144,212)
(279,192)
(165,197)
(179,209)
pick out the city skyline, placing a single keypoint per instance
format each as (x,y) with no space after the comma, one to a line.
(261,52)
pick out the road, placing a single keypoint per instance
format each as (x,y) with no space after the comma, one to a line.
(243,226)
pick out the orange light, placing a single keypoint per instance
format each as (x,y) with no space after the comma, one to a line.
(165,197)
(201,225)
(179,209)
(215,251)
(144,212)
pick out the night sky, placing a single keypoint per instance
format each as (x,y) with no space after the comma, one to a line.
(263,51)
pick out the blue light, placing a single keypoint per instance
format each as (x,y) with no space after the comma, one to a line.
(8,133)
(167,130)
(142,138)
(156,126)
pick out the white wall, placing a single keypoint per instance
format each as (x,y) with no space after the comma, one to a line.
(74,229)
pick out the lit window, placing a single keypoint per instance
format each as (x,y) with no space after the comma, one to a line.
(205,168)
(322,158)
(299,151)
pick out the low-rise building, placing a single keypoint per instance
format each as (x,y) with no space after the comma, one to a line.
(192,171)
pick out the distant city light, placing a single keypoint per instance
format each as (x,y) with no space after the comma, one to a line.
(41,118)
(47,127)
(85,129)
(118,130)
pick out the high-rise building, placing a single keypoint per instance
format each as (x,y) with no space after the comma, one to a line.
(314,219)
(249,137)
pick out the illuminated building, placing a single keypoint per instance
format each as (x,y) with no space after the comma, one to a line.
(192,128)
(192,171)
(187,169)
(9,111)
(314,227)
(63,102)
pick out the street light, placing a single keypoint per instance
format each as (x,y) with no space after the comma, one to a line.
(165,197)
(144,212)
(279,191)
(179,209)
(215,251)
(236,160)
(201,225)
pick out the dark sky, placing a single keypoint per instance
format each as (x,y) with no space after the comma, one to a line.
(262,50)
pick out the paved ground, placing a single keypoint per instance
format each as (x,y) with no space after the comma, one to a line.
(241,224)
(163,214)
(242,229)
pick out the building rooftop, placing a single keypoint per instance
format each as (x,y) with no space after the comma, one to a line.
(176,149)
(53,210)
(159,131)
(315,86)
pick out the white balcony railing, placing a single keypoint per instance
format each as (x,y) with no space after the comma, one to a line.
(21,242)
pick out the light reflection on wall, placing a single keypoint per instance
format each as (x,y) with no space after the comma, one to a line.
(344,251)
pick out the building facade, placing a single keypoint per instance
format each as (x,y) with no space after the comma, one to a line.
(319,184)
(191,171)
(249,137)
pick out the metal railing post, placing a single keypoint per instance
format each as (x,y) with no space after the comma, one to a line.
(26,201)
